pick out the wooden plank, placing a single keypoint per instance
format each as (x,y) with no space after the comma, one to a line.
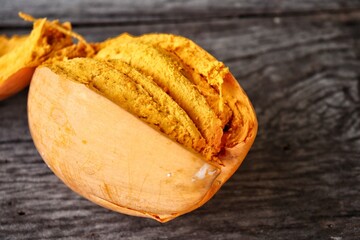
(301,178)
(95,12)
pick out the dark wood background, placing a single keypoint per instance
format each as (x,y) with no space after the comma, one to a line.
(299,62)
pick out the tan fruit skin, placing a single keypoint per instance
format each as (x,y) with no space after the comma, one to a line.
(16,82)
(115,160)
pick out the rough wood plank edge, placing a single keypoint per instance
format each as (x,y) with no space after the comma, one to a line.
(97,12)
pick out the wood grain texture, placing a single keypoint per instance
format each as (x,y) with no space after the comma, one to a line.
(97,12)
(301,178)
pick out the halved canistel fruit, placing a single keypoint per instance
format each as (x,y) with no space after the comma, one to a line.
(151,126)
(20,55)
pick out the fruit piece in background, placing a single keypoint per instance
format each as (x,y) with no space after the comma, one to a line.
(20,55)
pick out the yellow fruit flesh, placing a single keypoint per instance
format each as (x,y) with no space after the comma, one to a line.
(7,44)
(32,50)
(199,67)
(134,92)
(166,73)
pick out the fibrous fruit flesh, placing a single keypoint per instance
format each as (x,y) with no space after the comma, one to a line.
(20,55)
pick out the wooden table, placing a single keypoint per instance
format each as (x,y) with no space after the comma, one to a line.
(299,62)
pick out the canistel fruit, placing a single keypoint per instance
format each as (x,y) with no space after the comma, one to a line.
(149,125)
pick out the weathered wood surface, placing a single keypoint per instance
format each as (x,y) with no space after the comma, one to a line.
(96,12)
(301,178)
